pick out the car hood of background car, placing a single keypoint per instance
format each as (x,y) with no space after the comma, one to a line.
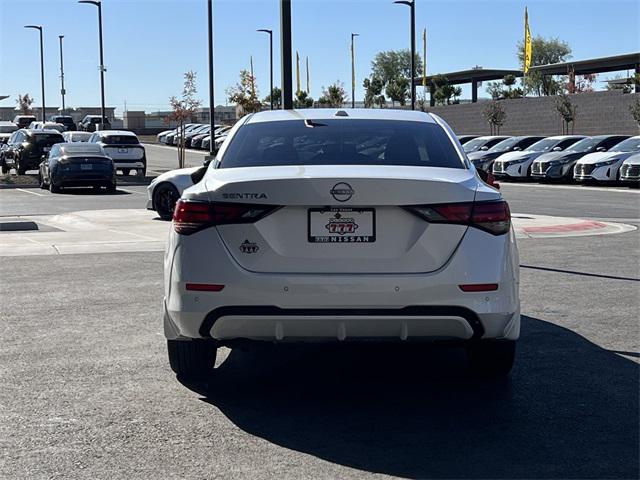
(511,156)
(598,157)
(171,174)
(633,159)
(551,156)
(483,155)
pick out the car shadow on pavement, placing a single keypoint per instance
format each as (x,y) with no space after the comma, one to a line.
(569,409)
(91,191)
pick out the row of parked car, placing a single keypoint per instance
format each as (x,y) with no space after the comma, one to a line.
(62,123)
(72,159)
(195,135)
(569,158)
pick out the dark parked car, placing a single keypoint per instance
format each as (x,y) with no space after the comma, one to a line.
(89,122)
(65,120)
(483,158)
(465,138)
(559,165)
(23,121)
(6,129)
(77,165)
(25,149)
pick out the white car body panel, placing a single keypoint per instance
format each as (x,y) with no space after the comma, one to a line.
(606,173)
(286,288)
(180,178)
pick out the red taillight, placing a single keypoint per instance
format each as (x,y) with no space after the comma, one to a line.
(190,217)
(479,287)
(491,181)
(493,217)
(204,287)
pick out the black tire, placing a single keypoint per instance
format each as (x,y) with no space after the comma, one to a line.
(192,359)
(5,169)
(111,187)
(142,172)
(491,359)
(53,188)
(165,197)
(43,185)
(97,188)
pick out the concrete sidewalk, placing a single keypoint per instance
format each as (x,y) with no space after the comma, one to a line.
(136,230)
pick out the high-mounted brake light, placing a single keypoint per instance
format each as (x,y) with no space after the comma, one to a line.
(493,217)
(190,217)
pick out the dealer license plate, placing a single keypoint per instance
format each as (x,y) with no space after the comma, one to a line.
(342,225)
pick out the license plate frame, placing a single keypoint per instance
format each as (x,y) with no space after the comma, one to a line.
(335,237)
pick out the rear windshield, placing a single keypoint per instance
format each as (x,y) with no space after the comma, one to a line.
(47,139)
(120,140)
(341,142)
(8,128)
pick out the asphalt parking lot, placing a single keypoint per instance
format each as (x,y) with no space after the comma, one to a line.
(89,392)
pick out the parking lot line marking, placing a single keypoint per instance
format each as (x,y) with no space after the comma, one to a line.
(593,188)
(32,193)
(131,191)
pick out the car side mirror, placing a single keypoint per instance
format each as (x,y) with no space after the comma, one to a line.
(601,149)
(484,149)
(517,149)
(556,149)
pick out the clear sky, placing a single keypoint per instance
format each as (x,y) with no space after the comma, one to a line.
(149,44)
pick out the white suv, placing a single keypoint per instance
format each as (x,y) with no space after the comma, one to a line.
(325,225)
(124,148)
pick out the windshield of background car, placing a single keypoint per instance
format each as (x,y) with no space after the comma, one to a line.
(8,128)
(120,140)
(585,145)
(341,142)
(47,139)
(629,145)
(544,145)
(474,145)
(505,145)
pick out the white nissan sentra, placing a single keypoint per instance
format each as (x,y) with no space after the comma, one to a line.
(341,225)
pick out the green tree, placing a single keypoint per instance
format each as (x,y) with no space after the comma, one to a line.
(24,103)
(392,64)
(398,90)
(495,115)
(567,111)
(373,91)
(504,89)
(543,52)
(302,100)
(277,98)
(443,92)
(244,94)
(334,95)
(183,110)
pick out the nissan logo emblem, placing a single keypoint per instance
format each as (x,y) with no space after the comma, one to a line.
(342,192)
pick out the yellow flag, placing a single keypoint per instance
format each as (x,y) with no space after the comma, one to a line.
(308,83)
(424,60)
(297,73)
(527,42)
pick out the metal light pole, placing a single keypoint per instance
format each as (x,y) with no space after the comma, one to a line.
(39,28)
(62,90)
(353,71)
(212,143)
(270,32)
(412,5)
(98,4)
(285,53)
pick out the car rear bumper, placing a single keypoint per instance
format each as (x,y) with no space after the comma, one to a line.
(325,307)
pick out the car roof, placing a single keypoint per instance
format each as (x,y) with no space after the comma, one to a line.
(41,130)
(76,148)
(565,137)
(352,113)
(106,133)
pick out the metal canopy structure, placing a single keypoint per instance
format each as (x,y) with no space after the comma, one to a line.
(472,76)
(615,63)
(2,97)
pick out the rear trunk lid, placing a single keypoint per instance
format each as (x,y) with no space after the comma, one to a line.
(341,219)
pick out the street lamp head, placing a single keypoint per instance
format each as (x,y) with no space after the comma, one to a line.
(36,27)
(61,36)
(355,35)
(405,2)
(93,2)
(265,30)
